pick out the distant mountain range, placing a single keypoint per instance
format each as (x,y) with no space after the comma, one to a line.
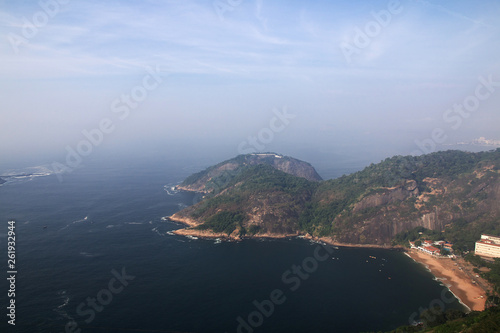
(270,195)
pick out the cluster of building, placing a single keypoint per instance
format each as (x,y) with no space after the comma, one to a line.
(267,154)
(488,246)
(432,248)
(482,141)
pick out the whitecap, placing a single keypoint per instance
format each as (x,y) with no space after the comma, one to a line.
(155,229)
(63,295)
(77,221)
(171,190)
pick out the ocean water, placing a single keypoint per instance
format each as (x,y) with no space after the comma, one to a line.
(94,255)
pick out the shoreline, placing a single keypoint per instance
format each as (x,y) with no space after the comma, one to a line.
(190,223)
(452,275)
(445,270)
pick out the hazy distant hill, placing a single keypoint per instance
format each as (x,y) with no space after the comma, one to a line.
(218,176)
(249,195)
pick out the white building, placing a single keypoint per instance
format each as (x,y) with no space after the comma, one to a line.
(488,246)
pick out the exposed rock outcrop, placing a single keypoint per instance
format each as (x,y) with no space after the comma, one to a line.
(217,177)
(388,196)
(271,195)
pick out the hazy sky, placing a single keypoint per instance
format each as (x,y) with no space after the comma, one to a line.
(341,75)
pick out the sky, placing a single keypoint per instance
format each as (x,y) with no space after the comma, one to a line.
(308,79)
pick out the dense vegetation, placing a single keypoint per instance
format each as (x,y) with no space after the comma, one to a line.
(225,222)
(362,207)
(464,234)
(492,273)
(254,186)
(456,192)
(218,177)
(405,237)
(336,198)
(453,321)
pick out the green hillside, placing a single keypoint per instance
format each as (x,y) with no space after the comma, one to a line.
(451,191)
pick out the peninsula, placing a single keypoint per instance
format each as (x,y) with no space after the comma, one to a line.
(269,195)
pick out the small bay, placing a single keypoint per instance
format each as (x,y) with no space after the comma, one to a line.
(77,238)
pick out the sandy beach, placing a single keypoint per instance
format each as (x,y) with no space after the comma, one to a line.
(449,272)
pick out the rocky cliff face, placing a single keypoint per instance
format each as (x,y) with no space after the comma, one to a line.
(274,195)
(377,218)
(387,196)
(269,200)
(217,177)
(294,167)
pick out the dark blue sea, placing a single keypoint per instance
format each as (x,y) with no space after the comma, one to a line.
(94,255)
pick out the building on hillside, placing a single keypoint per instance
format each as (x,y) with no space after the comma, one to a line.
(495,239)
(434,250)
(267,154)
(488,246)
(430,250)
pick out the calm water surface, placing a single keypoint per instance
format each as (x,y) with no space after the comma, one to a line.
(94,254)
